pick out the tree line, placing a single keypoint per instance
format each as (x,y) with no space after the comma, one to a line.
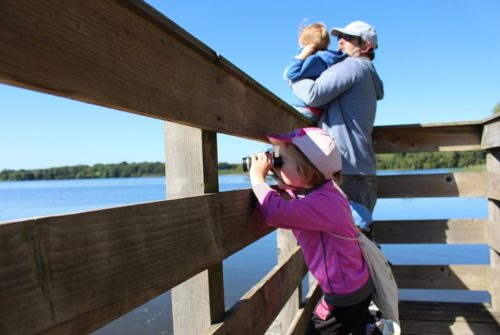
(121,170)
(403,161)
(430,160)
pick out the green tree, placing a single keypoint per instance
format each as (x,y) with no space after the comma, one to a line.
(496,109)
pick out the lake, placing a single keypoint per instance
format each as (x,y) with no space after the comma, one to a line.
(25,199)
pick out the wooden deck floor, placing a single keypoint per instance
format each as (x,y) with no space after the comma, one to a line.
(427,318)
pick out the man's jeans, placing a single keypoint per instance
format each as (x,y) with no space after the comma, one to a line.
(362,189)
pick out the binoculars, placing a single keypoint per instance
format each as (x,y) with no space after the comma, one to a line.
(277,161)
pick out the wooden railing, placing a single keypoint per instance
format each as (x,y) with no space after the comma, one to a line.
(75,273)
(457,137)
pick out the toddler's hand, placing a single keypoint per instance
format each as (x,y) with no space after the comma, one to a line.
(306,51)
(261,164)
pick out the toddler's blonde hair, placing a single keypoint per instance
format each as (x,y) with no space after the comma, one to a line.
(315,34)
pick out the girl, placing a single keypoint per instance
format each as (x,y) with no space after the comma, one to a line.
(310,164)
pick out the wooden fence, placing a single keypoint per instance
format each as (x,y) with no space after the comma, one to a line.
(75,273)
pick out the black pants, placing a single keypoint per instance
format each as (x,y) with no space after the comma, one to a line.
(343,320)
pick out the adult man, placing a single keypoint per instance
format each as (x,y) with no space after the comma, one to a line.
(350,89)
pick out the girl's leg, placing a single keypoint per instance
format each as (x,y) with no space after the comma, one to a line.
(343,320)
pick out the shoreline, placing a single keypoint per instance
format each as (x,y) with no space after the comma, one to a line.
(239,171)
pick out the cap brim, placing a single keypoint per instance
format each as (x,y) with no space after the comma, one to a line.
(342,31)
(336,31)
(279,138)
(287,138)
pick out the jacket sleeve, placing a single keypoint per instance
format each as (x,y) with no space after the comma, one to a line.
(330,84)
(311,67)
(316,212)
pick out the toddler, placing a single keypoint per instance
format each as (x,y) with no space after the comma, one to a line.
(313,58)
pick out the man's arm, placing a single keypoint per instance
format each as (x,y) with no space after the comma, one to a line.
(329,85)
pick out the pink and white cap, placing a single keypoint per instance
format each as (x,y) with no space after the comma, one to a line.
(316,145)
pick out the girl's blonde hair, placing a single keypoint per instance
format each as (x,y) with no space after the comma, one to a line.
(305,168)
(315,34)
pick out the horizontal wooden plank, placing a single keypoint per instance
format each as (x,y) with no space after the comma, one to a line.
(458,277)
(460,184)
(430,231)
(77,272)
(257,309)
(419,318)
(491,133)
(443,311)
(303,317)
(125,55)
(427,138)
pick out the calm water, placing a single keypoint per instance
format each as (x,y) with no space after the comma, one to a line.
(26,199)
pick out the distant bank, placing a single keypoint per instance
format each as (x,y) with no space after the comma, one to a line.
(415,161)
(120,170)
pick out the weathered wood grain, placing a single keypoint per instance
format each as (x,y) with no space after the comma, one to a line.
(125,55)
(426,138)
(191,169)
(265,300)
(491,133)
(303,317)
(493,167)
(435,318)
(287,243)
(494,279)
(66,273)
(459,277)
(431,231)
(463,184)
(492,185)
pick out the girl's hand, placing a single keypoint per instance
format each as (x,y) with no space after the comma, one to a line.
(261,164)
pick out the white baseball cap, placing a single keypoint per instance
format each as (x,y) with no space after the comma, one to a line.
(316,145)
(360,29)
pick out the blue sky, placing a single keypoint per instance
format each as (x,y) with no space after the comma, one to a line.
(439,61)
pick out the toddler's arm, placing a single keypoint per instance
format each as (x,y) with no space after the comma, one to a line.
(305,65)
(306,51)
(302,69)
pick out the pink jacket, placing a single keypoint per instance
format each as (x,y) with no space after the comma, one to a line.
(337,264)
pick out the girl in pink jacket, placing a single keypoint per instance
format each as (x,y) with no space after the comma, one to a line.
(306,163)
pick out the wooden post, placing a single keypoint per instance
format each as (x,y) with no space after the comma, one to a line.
(286,244)
(191,169)
(493,233)
(491,142)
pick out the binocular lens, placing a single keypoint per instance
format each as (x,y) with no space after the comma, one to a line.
(276,161)
(247,162)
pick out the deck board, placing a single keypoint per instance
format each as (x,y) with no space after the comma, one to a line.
(432,318)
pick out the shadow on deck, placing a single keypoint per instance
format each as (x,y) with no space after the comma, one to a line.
(432,318)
